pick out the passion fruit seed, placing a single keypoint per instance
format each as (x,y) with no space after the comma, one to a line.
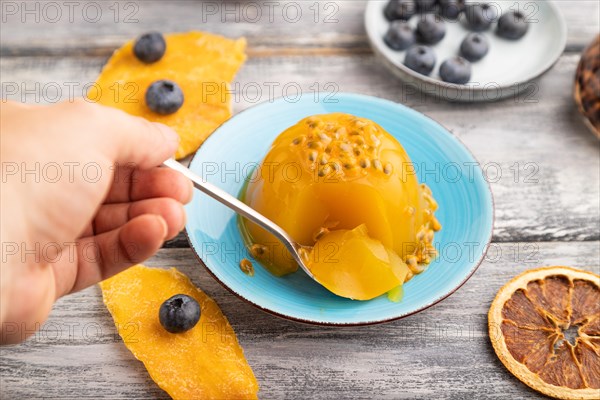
(375,140)
(377,164)
(299,140)
(315,145)
(411,260)
(247,267)
(341,132)
(312,156)
(430,251)
(257,250)
(313,122)
(413,264)
(320,233)
(416,268)
(324,171)
(429,236)
(324,138)
(345,147)
(365,163)
(388,169)
(324,159)
(433,205)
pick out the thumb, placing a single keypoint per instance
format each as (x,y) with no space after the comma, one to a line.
(128,139)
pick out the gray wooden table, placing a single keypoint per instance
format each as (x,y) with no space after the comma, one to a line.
(444,352)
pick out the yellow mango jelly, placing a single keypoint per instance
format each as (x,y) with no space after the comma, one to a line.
(338,172)
(351,264)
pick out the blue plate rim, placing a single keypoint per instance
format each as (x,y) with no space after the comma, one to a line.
(314,322)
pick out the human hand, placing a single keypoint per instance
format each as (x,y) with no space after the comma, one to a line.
(82,199)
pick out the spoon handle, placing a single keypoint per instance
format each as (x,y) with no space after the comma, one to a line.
(237,206)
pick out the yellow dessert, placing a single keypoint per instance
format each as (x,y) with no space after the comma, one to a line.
(345,180)
(335,252)
(205,362)
(202,64)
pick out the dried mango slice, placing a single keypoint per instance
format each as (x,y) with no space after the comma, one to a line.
(205,362)
(202,64)
(529,321)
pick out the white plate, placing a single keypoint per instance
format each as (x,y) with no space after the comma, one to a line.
(506,70)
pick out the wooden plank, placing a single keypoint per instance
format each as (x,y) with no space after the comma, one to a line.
(96,28)
(549,182)
(443,352)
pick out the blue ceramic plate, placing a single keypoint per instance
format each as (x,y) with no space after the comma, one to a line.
(443,163)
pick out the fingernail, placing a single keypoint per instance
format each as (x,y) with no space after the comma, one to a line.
(164,225)
(169,133)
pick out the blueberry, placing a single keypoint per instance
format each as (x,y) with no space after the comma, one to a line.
(451,9)
(430,29)
(179,313)
(474,47)
(150,47)
(164,97)
(456,70)
(399,9)
(425,5)
(400,36)
(480,16)
(420,59)
(512,25)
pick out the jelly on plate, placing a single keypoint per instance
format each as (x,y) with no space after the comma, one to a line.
(344,186)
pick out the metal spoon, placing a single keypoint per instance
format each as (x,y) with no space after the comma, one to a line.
(296,249)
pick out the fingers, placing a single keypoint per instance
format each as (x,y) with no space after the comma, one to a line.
(134,184)
(104,255)
(112,216)
(115,135)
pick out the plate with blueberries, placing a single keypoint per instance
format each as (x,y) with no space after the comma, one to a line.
(467,50)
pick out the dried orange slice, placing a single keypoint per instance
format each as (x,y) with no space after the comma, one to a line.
(202,64)
(205,362)
(530,322)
